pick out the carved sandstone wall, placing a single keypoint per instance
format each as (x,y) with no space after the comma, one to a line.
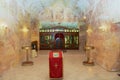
(9,49)
(107,45)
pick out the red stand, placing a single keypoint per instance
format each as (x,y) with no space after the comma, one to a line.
(55,64)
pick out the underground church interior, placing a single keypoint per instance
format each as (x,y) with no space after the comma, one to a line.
(59,40)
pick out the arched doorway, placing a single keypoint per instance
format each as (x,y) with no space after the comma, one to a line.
(59,41)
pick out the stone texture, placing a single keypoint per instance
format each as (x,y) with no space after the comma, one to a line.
(9,49)
(107,45)
(82,35)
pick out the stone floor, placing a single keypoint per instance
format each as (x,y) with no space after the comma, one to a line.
(73,69)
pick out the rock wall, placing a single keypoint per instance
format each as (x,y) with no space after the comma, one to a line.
(107,46)
(35,34)
(9,48)
(82,36)
(35,31)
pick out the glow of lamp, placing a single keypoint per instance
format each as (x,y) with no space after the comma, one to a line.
(89,31)
(84,17)
(103,28)
(25,29)
(3,28)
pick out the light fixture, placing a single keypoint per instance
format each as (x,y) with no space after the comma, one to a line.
(3,29)
(84,17)
(89,30)
(3,25)
(25,29)
(103,28)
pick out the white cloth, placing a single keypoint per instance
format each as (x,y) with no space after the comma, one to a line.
(34,53)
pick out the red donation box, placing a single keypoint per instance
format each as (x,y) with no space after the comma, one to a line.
(56,64)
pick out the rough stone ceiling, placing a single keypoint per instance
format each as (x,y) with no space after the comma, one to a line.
(74,9)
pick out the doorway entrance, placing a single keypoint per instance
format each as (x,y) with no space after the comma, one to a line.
(59,41)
